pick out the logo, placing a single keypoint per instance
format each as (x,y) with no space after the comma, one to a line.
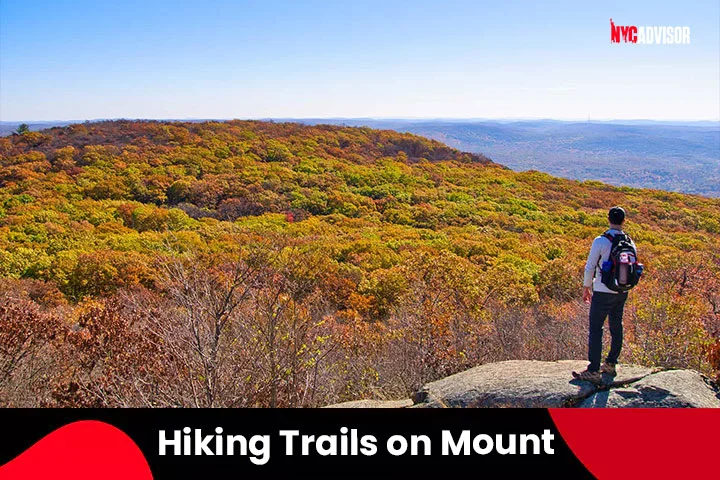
(649,35)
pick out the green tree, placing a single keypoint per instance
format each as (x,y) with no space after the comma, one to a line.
(23,128)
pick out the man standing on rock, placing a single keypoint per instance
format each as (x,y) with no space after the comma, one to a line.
(604,302)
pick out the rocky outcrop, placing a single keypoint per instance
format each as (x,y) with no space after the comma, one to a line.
(373,404)
(670,389)
(520,383)
(530,383)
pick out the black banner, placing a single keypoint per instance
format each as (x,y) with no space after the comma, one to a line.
(446,441)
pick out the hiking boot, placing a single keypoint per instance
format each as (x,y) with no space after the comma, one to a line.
(608,368)
(588,376)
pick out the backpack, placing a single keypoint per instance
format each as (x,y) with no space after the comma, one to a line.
(621,272)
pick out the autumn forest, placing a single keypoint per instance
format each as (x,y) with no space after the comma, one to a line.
(244,263)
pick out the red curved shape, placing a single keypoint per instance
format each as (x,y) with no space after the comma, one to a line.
(82,450)
(643,443)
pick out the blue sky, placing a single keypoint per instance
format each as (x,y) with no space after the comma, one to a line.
(256,59)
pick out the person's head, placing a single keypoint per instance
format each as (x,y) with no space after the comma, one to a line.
(616,216)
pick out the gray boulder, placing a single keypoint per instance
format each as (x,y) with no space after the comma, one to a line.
(531,383)
(669,389)
(520,383)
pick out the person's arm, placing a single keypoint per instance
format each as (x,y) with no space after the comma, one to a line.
(590,265)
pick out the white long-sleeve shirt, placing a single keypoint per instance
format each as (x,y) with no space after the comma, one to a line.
(599,252)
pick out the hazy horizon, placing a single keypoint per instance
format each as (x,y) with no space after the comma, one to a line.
(381,118)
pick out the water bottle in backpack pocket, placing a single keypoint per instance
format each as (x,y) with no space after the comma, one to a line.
(624,265)
(606,271)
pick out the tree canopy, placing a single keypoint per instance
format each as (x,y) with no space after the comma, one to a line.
(367,237)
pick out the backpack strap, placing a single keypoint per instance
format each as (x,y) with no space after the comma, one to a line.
(610,238)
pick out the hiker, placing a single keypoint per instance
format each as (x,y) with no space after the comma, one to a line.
(610,272)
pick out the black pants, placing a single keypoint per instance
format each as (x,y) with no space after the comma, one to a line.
(604,305)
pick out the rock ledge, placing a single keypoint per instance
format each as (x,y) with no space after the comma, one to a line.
(532,383)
